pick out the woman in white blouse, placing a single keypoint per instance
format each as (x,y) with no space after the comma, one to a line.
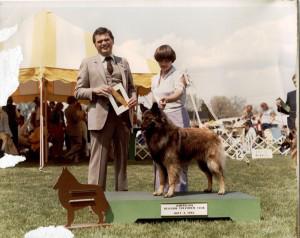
(265,116)
(169,90)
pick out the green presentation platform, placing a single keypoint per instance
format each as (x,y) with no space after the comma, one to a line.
(129,207)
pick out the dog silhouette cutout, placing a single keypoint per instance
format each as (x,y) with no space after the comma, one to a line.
(74,195)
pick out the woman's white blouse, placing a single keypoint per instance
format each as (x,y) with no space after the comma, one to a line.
(266,117)
(166,86)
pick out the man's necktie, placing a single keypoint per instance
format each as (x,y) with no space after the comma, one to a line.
(110,68)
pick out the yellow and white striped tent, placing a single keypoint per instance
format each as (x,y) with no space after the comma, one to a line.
(53,49)
(52,52)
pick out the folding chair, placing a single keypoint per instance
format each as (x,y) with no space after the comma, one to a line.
(272,140)
(141,149)
(233,145)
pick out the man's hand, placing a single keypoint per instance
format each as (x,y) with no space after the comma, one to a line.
(132,102)
(103,90)
(278,102)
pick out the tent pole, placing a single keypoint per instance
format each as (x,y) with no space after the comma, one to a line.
(45,135)
(42,162)
(196,110)
(189,85)
(212,112)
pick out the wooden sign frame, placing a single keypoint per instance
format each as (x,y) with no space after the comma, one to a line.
(119,99)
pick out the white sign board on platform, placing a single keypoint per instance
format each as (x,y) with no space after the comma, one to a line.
(183,209)
(262,154)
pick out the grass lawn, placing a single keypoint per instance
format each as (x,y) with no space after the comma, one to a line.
(28,201)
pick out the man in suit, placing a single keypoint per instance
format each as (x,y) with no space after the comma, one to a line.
(291,109)
(97,76)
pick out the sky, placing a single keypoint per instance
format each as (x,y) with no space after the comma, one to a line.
(232,48)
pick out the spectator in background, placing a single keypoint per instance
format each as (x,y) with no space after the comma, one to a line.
(23,132)
(73,130)
(4,125)
(11,111)
(52,106)
(250,133)
(37,111)
(34,116)
(56,131)
(274,120)
(7,144)
(57,115)
(84,130)
(257,125)
(265,116)
(250,137)
(247,113)
(34,137)
(291,106)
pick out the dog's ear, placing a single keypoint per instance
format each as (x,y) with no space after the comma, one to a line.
(143,108)
(155,109)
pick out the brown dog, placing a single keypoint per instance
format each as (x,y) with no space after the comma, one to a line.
(171,147)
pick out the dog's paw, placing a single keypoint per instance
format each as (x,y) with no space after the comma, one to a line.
(207,190)
(169,195)
(221,192)
(157,193)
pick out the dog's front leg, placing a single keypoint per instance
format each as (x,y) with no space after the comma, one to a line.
(162,181)
(173,175)
(171,191)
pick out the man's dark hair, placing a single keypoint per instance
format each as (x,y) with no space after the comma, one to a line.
(101,31)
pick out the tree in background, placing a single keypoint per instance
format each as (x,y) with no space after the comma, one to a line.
(189,104)
(225,107)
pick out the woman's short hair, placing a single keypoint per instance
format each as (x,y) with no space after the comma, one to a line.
(165,52)
(101,31)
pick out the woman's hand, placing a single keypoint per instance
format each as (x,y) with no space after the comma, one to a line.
(162,102)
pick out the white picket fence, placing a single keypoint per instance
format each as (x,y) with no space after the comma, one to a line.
(237,146)
(240,147)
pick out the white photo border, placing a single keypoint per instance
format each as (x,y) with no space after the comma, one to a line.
(119,109)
